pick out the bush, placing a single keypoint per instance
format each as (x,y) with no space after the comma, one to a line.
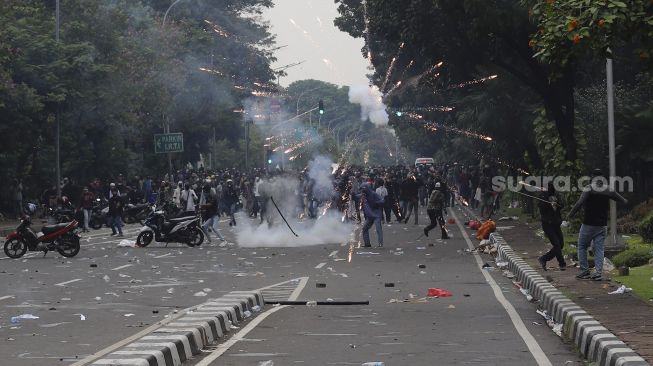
(629,224)
(633,257)
(645,228)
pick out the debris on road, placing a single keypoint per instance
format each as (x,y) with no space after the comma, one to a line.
(320,285)
(621,290)
(438,292)
(389,284)
(17,319)
(421,266)
(127,244)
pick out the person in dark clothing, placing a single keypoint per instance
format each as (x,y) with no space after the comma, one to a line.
(551,220)
(230,199)
(434,210)
(372,209)
(115,211)
(596,200)
(87,201)
(409,198)
(391,204)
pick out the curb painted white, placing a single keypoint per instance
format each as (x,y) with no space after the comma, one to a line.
(187,335)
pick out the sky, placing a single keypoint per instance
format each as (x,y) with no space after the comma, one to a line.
(330,55)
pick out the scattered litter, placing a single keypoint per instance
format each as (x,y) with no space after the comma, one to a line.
(171,290)
(320,285)
(367,253)
(389,284)
(247,314)
(420,248)
(200,294)
(93,265)
(421,266)
(311,303)
(155,311)
(128,315)
(52,325)
(525,292)
(557,329)
(207,290)
(501,264)
(537,323)
(266,363)
(434,291)
(127,243)
(467,295)
(508,274)
(106,278)
(508,218)
(451,306)
(81,316)
(256,308)
(608,265)
(17,319)
(422,272)
(375,363)
(98,298)
(621,290)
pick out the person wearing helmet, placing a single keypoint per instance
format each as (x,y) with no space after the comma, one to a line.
(596,200)
(434,210)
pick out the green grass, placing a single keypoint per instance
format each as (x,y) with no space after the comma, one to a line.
(640,281)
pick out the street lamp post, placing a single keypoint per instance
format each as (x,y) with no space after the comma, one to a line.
(613,242)
(58,131)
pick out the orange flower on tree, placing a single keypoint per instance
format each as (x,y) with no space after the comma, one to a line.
(577,38)
(572,25)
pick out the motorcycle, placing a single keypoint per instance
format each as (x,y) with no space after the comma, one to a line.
(60,237)
(136,213)
(161,229)
(99,214)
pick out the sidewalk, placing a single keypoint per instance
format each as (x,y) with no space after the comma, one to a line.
(628,317)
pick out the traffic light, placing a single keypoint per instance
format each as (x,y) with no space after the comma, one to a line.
(321,107)
(268,156)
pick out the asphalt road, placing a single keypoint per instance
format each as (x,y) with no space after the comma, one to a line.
(120,291)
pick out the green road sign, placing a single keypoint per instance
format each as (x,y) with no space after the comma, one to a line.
(168,143)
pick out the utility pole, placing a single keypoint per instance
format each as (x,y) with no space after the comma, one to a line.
(613,243)
(58,128)
(247,123)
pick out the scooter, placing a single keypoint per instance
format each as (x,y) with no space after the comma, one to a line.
(161,229)
(60,237)
(99,214)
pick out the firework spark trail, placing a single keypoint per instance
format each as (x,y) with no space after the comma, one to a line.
(388,74)
(433,126)
(472,82)
(392,90)
(217,29)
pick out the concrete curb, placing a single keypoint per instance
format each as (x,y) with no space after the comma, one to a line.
(185,337)
(595,342)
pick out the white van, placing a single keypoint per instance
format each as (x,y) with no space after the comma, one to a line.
(424,161)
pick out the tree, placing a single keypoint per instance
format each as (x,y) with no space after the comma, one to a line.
(570,29)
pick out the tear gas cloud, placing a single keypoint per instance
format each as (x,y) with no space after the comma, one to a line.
(370,99)
(326,230)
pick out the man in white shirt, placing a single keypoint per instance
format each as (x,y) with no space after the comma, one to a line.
(188,198)
(382,192)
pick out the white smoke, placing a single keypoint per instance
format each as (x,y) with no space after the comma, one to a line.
(285,190)
(370,99)
(319,170)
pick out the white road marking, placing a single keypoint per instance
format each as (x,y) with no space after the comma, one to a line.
(163,255)
(121,267)
(333,254)
(6,297)
(320,265)
(518,323)
(68,282)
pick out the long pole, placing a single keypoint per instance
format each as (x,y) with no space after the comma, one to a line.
(247,123)
(611,153)
(58,130)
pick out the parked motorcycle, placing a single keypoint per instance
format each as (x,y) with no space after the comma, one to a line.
(60,237)
(161,229)
(136,213)
(99,214)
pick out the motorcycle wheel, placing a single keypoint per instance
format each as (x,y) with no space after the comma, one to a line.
(144,239)
(15,248)
(95,223)
(196,237)
(69,247)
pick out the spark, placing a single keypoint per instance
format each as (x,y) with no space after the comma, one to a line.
(472,82)
(366,18)
(210,71)
(217,29)
(388,74)
(392,90)
(434,126)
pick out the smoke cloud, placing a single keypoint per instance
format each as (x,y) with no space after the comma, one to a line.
(370,99)
(326,230)
(319,170)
